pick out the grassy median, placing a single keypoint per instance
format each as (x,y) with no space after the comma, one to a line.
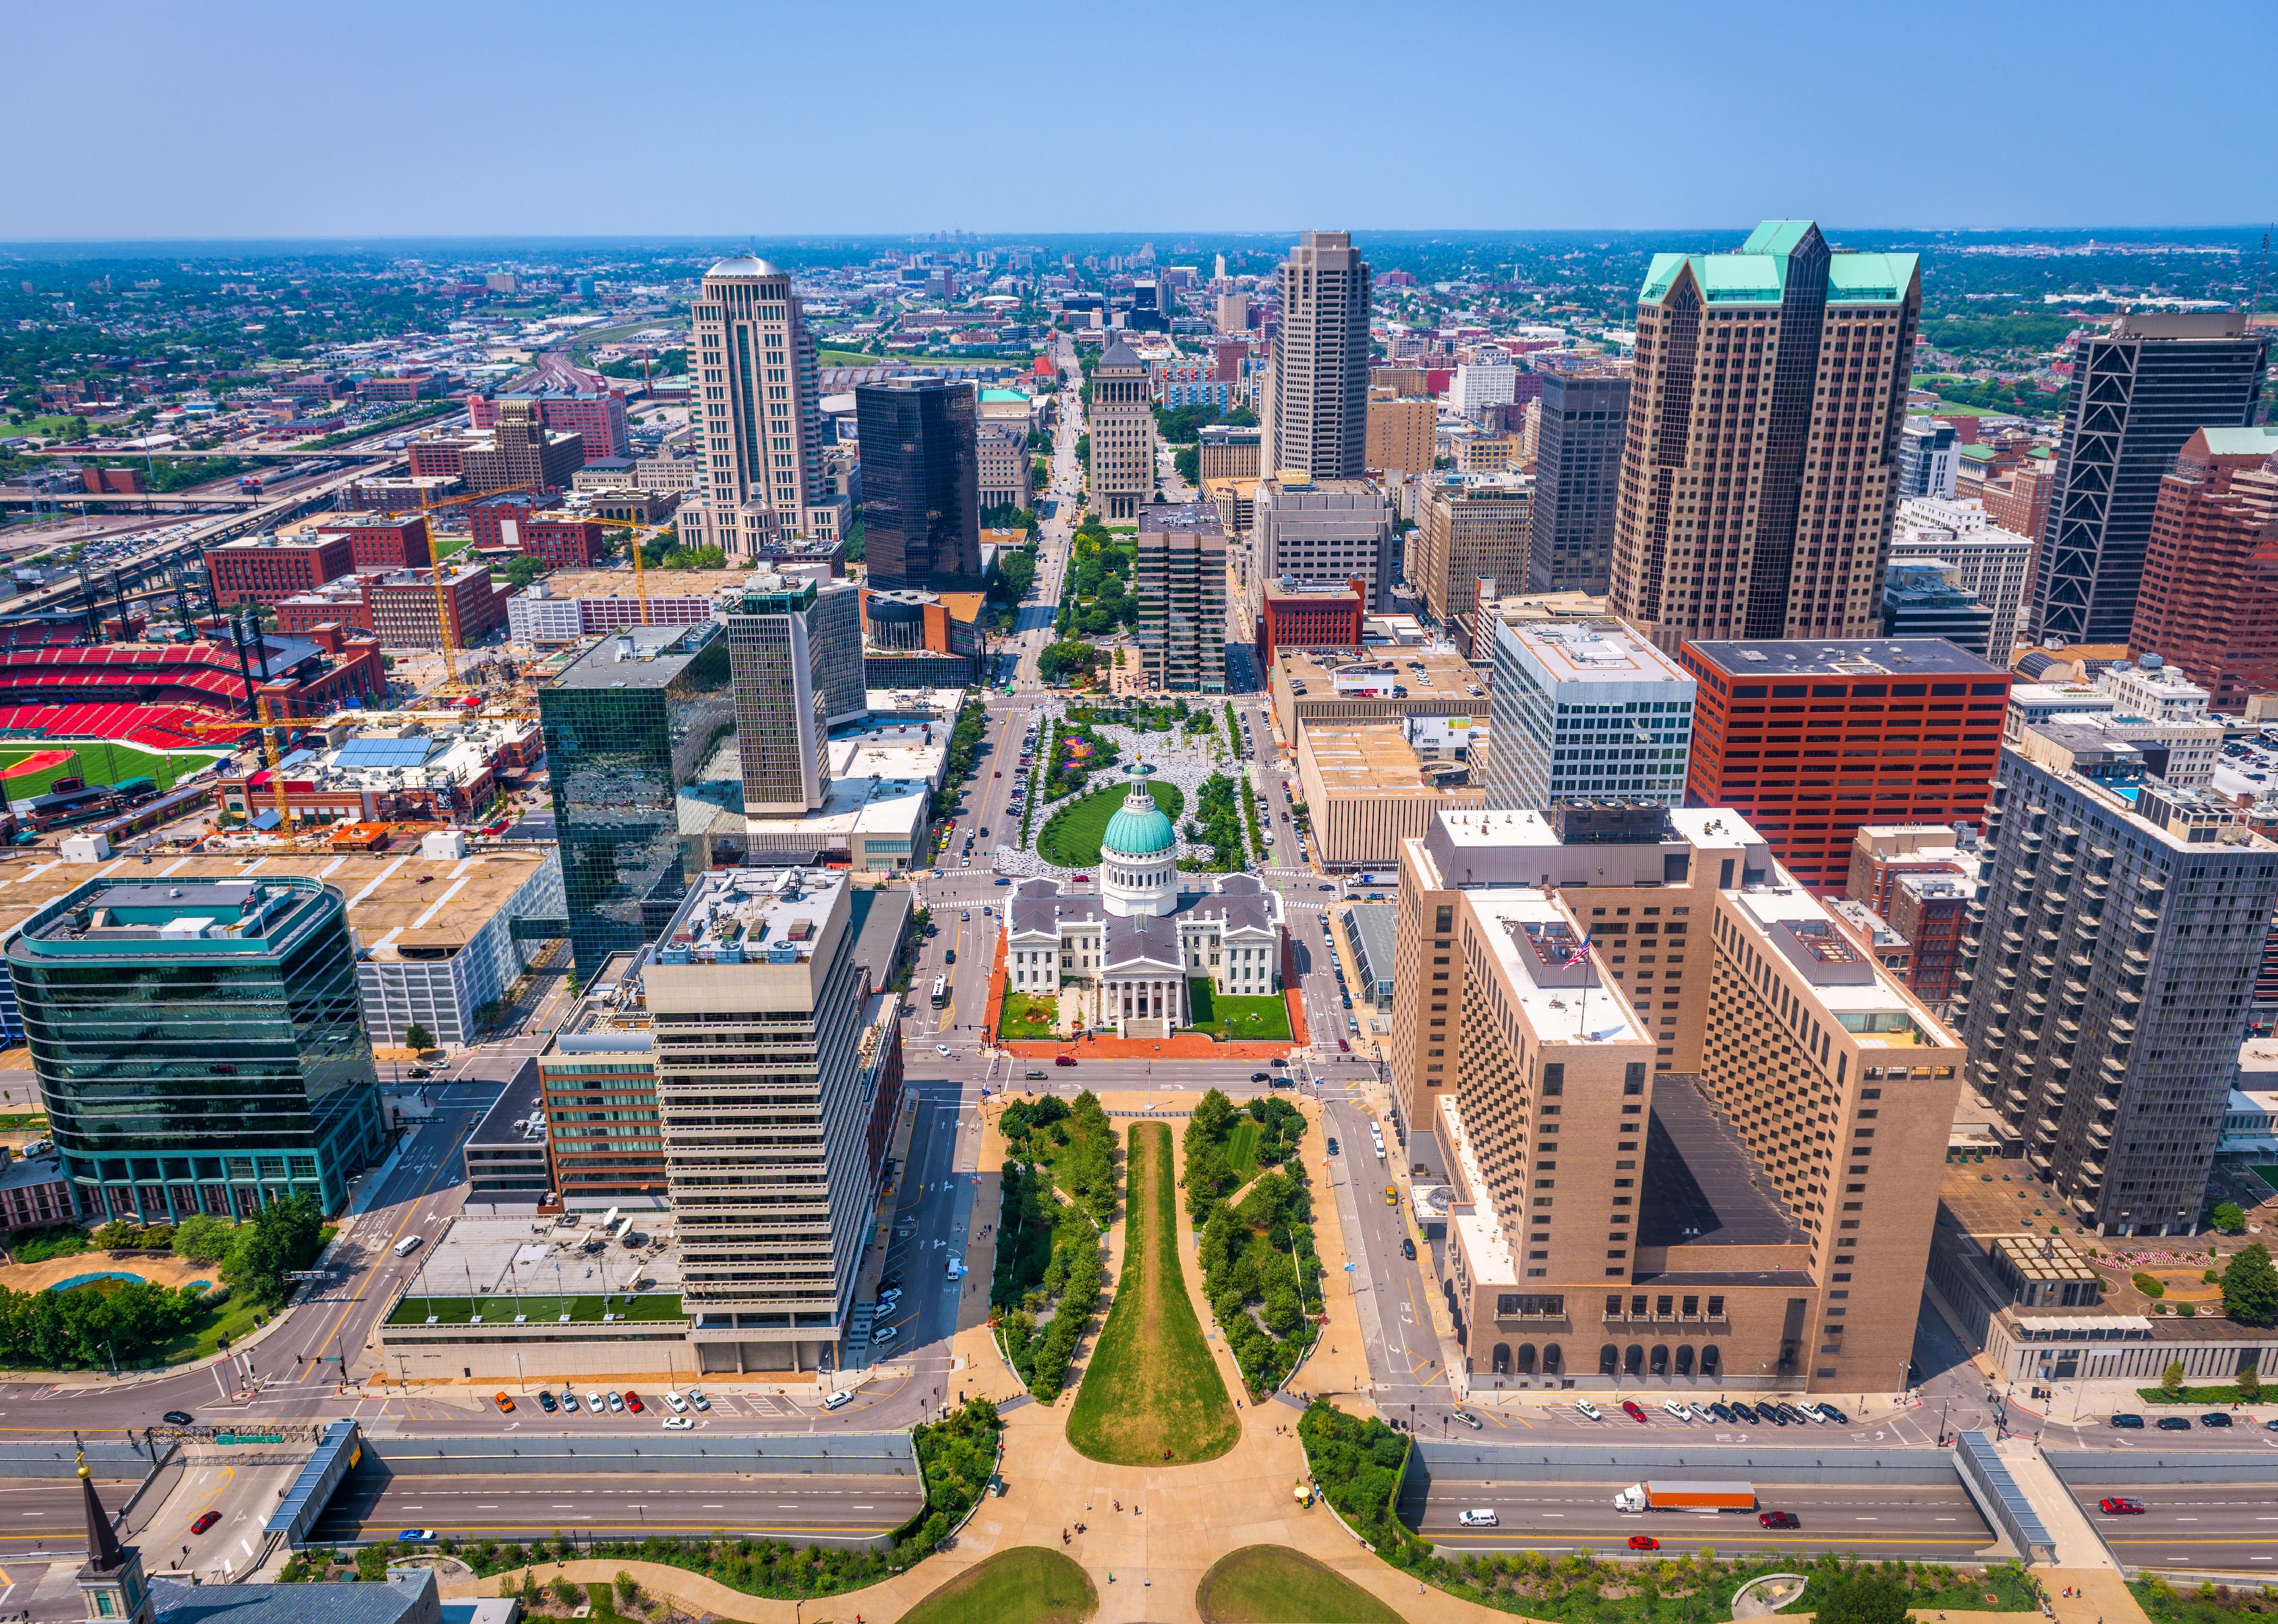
(1028,1584)
(1151,1394)
(1072,836)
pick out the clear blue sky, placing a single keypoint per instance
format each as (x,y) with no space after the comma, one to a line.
(285,118)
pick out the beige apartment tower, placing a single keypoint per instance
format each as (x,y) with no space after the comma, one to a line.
(1122,429)
(1693,1134)
(1317,421)
(1758,474)
(1472,527)
(1403,433)
(757,415)
(1179,580)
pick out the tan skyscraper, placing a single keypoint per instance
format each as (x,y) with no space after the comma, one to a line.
(1759,477)
(1318,418)
(1471,526)
(1403,433)
(1121,425)
(757,416)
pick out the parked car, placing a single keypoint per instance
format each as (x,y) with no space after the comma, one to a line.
(696,1396)
(1833,1414)
(633,1401)
(2215,1418)
(545,1402)
(1723,1412)
(1391,1196)
(1679,1411)
(505,1404)
(615,1403)
(2175,1423)
(1407,1248)
(568,1402)
(884,1333)
(2130,1419)
(1635,1411)
(1333,1145)
(674,1401)
(1583,1407)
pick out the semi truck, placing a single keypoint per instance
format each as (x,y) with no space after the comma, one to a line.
(1662,1495)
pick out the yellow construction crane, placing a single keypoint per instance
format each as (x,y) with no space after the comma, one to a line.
(267,727)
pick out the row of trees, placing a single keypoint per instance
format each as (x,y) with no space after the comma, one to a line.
(1261,1268)
(1218,823)
(1048,1249)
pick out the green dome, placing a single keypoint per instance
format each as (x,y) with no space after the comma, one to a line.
(1140,829)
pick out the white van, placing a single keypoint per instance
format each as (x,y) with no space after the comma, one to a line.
(406,1247)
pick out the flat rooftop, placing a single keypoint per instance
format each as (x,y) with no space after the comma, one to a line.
(1597,651)
(1532,936)
(1852,657)
(1426,671)
(1856,991)
(638,657)
(658,582)
(1701,1187)
(515,1118)
(766,916)
(1366,760)
(543,1257)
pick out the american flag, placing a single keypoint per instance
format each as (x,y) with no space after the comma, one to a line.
(1581,951)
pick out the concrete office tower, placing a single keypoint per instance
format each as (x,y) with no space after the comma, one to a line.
(1924,598)
(1121,425)
(630,725)
(795,653)
(1765,408)
(1320,422)
(920,483)
(1478,384)
(197,1044)
(1928,460)
(1691,1134)
(1234,312)
(2138,393)
(2105,975)
(1181,584)
(1580,422)
(2210,597)
(1585,711)
(757,415)
(1472,525)
(756,1024)
(1309,529)
(1994,566)
(1228,451)
(1403,433)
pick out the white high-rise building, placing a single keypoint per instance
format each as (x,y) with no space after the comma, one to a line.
(757,415)
(1993,564)
(1481,384)
(1584,711)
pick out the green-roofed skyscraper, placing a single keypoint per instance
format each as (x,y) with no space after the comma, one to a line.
(1759,477)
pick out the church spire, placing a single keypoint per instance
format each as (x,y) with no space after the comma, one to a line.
(103,1554)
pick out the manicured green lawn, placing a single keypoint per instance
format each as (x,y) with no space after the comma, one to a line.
(99,761)
(2266,1173)
(233,1320)
(1028,1584)
(500,1307)
(1151,1394)
(1224,1016)
(1026,1016)
(1072,838)
(1242,1149)
(1272,1584)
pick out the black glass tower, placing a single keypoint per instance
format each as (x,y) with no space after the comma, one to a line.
(920,483)
(1577,481)
(630,729)
(200,1044)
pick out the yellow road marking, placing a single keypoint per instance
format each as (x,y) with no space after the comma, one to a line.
(408,1208)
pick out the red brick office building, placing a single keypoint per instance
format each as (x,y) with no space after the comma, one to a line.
(1808,740)
(265,569)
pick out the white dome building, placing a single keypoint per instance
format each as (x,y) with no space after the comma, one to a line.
(1139,856)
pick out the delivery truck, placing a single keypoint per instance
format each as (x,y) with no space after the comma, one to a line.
(1661,1494)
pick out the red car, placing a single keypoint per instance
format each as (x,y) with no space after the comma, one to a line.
(1064,1060)
(1779,1520)
(2120,1505)
(1632,1409)
(1644,1542)
(205,1522)
(632,1401)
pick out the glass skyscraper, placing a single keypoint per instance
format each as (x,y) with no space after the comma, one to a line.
(200,1046)
(920,483)
(629,729)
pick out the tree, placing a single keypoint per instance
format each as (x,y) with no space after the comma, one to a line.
(2249,1287)
(627,1589)
(201,1238)
(416,1037)
(2250,1383)
(1862,1598)
(283,1236)
(2171,1379)
(2227,1217)
(522,569)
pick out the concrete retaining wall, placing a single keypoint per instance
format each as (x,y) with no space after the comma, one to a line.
(2136,1465)
(1517,1463)
(110,1461)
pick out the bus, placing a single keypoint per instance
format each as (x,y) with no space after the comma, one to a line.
(940,991)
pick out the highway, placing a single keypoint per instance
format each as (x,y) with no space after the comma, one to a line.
(801,1507)
(2203,1527)
(43,1515)
(1913,1522)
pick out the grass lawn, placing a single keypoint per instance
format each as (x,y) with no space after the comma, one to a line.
(2266,1173)
(1152,1386)
(1026,1584)
(1071,839)
(97,760)
(1026,1016)
(234,1321)
(500,1307)
(1242,1149)
(1224,1016)
(1272,1584)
